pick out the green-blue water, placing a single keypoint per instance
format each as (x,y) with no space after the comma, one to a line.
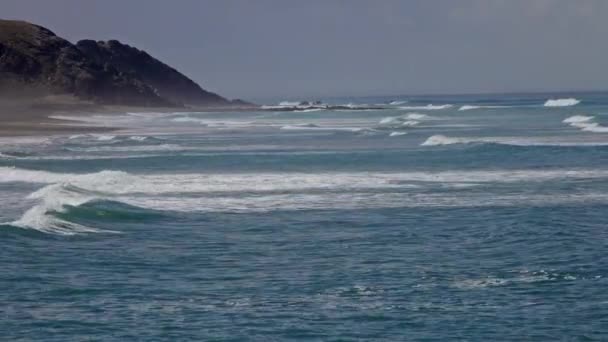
(476,224)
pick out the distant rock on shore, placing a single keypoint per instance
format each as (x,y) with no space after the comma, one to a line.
(34,62)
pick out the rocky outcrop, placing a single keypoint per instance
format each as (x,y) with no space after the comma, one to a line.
(168,82)
(36,62)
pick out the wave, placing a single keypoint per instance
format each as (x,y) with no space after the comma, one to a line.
(312,127)
(398,121)
(408,120)
(567,102)
(308,110)
(289,103)
(427,107)
(135,148)
(105,137)
(397,103)
(585,123)
(397,134)
(188,119)
(578,119)
(471,107)
(248,192)
(54,200)
(520,277)
(439,140)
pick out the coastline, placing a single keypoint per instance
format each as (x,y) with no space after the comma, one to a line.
(27,117)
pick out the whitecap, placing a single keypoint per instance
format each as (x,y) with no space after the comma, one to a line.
(438,140)
(188,119)
(272,191)
(578,118)
(396,134)
(408,120)
(318,128)
(427,107)
(105,137)
(289,103)
(566,102)
(307,110)
(585,123)
(471,107)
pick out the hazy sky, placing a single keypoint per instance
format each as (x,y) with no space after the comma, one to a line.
(296,48)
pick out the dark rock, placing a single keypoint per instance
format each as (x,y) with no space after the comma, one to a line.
(35,62)
(39,62)
(167,82)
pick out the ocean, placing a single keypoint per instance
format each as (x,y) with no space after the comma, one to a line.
(477,217)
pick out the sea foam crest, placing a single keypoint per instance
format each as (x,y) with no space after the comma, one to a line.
(471,107)
(585,123)
(566,102)
(438,140)
(223,192)
(407,120)
(427,107)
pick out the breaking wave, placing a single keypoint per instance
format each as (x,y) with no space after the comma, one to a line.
(561,102)
(439,140)
(471,107)
(188,119)
(585,123)
(427,107)
(408,120)
(313,127)
(248,192)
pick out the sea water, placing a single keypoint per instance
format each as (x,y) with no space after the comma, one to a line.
(425,218)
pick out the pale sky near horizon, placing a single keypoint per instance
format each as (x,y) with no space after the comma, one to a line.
(299,49)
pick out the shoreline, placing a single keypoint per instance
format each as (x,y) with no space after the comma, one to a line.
(35,117)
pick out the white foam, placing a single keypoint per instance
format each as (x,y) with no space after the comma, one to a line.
(308,110)
(438,140)
(189,119)
(408,120)
(578,119)
(289,103)
(427,107)
(397,103)
(585,123)
(53,199)
(593,127)
(138,138)
(471,107)
(397,134)
(271,191)
(561,102)
(137,148)
(320,129)
(105,137)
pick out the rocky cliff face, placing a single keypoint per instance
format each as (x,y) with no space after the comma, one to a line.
(168,82)
(36,62)
(33,60)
